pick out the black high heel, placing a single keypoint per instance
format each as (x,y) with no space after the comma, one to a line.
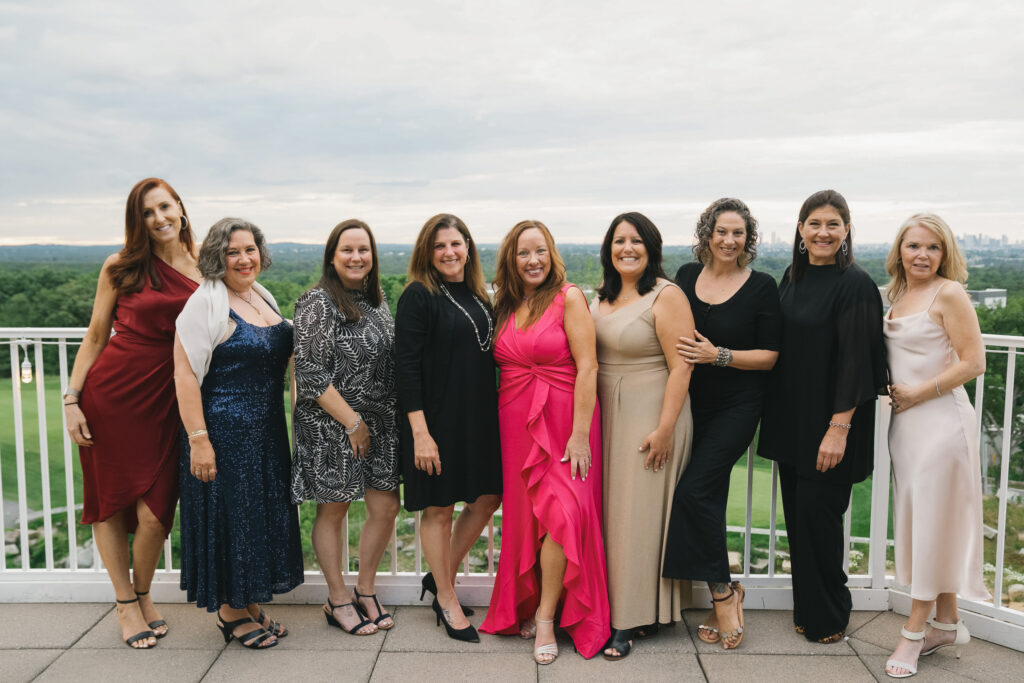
(141,635)
(153,624)
(468,634)
(253,639)
(430,586)
(620,642)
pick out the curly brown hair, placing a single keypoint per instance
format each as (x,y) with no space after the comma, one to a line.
(706,228)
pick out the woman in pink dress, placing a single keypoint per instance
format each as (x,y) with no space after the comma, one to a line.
(552,549)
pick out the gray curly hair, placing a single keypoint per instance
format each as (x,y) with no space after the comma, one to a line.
(706,227)
(213,254)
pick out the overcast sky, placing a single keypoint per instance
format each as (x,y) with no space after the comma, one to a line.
(299,115)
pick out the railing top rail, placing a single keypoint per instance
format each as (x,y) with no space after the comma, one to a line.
(1014,342)
(44,332)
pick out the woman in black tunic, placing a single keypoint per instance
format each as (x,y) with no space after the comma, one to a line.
(819,412)
(449,451)
(736,313)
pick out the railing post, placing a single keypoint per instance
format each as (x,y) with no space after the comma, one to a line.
(1004,474)
(44,454)
(879,541)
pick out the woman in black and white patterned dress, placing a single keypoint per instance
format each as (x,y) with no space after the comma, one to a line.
(346,439)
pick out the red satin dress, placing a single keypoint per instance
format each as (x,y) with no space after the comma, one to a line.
(535,413)
(129,403)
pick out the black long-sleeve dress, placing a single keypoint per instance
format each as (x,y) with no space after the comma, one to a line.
(832,359)
(442,371)
(726,404)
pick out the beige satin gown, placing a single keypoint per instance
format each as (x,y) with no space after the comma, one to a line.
(631,379)
(936,468)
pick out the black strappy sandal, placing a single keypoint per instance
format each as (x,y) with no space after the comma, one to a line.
(153,624)
(141,635)
(253,639)
(355,629)
(620,641)
(274,627)
(380,610)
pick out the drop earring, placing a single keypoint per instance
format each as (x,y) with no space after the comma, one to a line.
(802,248)
(845,248)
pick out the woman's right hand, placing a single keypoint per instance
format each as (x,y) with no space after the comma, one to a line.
(203,464)
(360,440)
(78,428)
(426,457)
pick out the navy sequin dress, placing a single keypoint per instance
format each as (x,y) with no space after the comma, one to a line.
(240,533)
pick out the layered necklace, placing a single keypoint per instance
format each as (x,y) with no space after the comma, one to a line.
(485,344)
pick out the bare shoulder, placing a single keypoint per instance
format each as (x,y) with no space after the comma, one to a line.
(575,297)
(953,297)
(670,294)
(111,261)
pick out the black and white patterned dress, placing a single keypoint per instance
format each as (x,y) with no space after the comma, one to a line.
(358,359)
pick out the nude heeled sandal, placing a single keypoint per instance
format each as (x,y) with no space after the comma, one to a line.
(911,668)
(963,636)
(551,649)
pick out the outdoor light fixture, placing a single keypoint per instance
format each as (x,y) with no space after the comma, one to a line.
(26,366)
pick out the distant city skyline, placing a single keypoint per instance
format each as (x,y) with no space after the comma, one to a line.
(299,115)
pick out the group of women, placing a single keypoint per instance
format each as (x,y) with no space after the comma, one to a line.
(609,438)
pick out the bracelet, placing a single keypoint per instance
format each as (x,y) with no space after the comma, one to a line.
(840,425)
(71,403)
(937,391)
(724,357)
(359,421)
(68,391)
(196,434)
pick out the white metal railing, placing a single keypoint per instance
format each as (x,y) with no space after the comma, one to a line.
(53,578)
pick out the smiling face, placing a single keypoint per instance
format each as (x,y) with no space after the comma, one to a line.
(533,259)
(450,254)
(728,237)
(162,215)
(921,254)
(353,257)
(242,260)
(629,253)
(823,233)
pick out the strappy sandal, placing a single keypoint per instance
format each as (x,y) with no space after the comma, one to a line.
(725,636)
(550,649)
(380,610)
(274,627)
(355,629)
(620,642)
(254,639)
(707,633)
(963,636)
(911,668)
(141,635)
(154,624)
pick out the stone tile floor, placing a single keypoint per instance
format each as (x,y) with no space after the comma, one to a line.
(80,642)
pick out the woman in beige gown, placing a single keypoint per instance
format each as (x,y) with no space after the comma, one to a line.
(934,346)
(645,422)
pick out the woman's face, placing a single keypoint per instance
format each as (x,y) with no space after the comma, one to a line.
(353,257)
(161,214)
(728,237)
(450,254)
(921,254)
(629,253)
(533,261)
(242,260)
(823,233)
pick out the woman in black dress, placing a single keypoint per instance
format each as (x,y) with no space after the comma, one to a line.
(449,451)
(736,341)
(819,410)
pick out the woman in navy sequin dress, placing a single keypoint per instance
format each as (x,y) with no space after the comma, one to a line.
(239,531)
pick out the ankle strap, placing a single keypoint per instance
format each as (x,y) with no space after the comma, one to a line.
(140,594)
(943,626)
(125,602)
(911,635)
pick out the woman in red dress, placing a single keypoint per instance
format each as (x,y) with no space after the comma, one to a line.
(552,550)
(120,405)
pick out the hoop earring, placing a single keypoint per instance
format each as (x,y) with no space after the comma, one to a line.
(845,248)
(184,221)
(802,248)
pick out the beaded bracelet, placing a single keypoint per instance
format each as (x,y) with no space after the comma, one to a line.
(724,357)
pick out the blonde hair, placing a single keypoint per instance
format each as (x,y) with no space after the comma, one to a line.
(508,286)
(421,263)
(953,265)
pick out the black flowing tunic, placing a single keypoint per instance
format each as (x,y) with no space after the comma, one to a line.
(832,359)
(442,371)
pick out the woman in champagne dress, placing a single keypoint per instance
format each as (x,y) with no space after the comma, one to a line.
(934,345)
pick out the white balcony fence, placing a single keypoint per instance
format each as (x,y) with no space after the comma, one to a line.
(69,569)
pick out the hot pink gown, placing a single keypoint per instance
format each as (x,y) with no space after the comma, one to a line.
(535,413)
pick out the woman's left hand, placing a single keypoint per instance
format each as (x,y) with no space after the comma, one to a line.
(832,449)
(577,454)
(903,397)
(696,351)
(658,447)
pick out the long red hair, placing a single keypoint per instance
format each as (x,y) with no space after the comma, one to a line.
(135,264)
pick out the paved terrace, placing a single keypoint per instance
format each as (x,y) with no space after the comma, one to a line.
(80,642)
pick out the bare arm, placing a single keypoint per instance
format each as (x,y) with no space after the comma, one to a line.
(579,329)
(190,405)
(700,349)
(425,454)
(672,320)
(96,338)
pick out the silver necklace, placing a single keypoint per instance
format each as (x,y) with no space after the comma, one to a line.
(485,345)
(249,301)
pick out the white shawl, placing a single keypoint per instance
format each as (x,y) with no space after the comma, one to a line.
(203,322)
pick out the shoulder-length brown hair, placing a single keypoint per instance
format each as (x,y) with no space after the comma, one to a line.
(952,267)
(331,282)
(508,285)
(421,265)
(612,281)
(135,263)
(816,201)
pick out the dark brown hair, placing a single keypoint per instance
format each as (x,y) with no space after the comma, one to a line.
(816,201)
(331,282)
(612,285)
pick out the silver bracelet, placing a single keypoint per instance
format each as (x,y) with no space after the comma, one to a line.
(937,391)
(724,357)
(359,421)
(196,434)
(840,425)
